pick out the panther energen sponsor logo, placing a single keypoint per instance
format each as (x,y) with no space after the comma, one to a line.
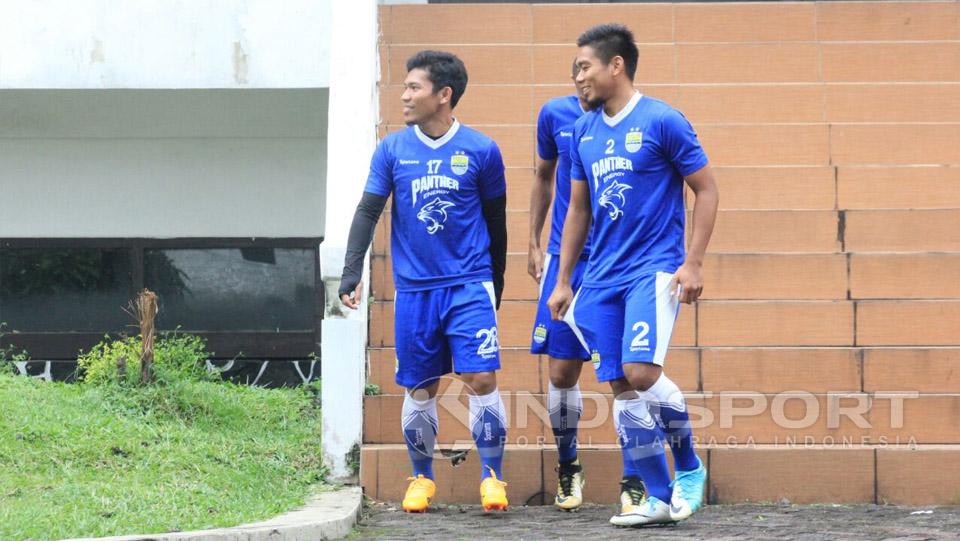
(605,166)
(428,183)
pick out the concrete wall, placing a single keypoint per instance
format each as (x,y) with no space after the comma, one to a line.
(155,163)
(168,44)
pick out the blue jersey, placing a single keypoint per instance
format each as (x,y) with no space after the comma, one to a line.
(439,237)
(634,164)
(554,133)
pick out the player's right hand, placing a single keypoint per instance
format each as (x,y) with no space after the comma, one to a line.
(535,262)
(559,301)
(352,300)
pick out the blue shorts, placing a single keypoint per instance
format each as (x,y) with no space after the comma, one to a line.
(631,323)
(443,330)
(556,338)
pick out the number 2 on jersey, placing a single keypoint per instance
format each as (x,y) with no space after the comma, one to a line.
(609,147)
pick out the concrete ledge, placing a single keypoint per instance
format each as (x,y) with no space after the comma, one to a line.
(330,515)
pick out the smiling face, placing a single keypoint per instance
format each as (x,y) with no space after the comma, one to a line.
(420,101)
(596,81)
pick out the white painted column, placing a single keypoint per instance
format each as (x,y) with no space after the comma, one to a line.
(352,138)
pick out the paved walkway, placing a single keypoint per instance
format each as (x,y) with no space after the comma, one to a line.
(860,522)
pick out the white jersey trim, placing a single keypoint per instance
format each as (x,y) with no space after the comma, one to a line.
(627,109)
(437,143)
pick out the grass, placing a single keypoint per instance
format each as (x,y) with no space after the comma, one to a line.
(82,460)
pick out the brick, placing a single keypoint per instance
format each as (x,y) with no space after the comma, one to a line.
(563,24)
(928,475)
(552,64)
(519,184)
(781,144)
(368,471)
(516,143)
(898,187)
(814,475)
(762,104)
(775,276)
(908,323)
(929,102)
(925,370)
(913,419)
(901,144)
(381,278)
(519,284)
(486,64)
(788,419)
(780,188)
(902,230)
(381,235)
(904,276)
(519,371)
(887,21)
(775,231)
(744,22)
(911,62)
(436,24)
(748,62)
(776,370)
(480,104)
(812,323)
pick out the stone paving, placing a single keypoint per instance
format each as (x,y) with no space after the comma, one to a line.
(748,521)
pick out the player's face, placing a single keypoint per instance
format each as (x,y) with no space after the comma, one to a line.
(579,84)
(595,80)
(419,100)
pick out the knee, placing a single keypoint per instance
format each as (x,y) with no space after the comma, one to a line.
(642,376)
(564,374)
(622,390)
(481,383)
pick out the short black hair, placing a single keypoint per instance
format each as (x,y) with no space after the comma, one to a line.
(443,69)
(610,40)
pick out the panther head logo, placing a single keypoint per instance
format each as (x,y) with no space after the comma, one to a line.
(434,214)
(613,198)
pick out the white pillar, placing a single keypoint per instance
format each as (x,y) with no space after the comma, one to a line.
(351,140)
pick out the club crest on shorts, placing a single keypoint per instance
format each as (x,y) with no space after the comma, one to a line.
(540,334)
(595,358)
(633,140)
(459,162)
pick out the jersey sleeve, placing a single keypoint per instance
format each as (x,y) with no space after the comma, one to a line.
(680,143)
(380,180)
(577,171)
(546,144)
(493,182)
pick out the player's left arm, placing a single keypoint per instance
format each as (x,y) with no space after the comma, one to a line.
(493,200)
(707,197)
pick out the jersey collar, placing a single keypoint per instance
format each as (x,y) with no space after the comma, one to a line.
(437,143)
(627,109)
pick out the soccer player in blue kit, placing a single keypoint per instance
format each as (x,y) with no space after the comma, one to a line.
(630,158)
(555,338)
(449,244)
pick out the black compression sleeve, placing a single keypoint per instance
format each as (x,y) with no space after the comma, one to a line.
(495,214)
(361,234)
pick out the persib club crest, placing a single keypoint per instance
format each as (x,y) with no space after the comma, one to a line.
(595,358)
(613,198)
(633,140)
(459,162)
(540,334)
(434,214)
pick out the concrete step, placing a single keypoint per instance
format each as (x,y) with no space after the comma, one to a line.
(921,475)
